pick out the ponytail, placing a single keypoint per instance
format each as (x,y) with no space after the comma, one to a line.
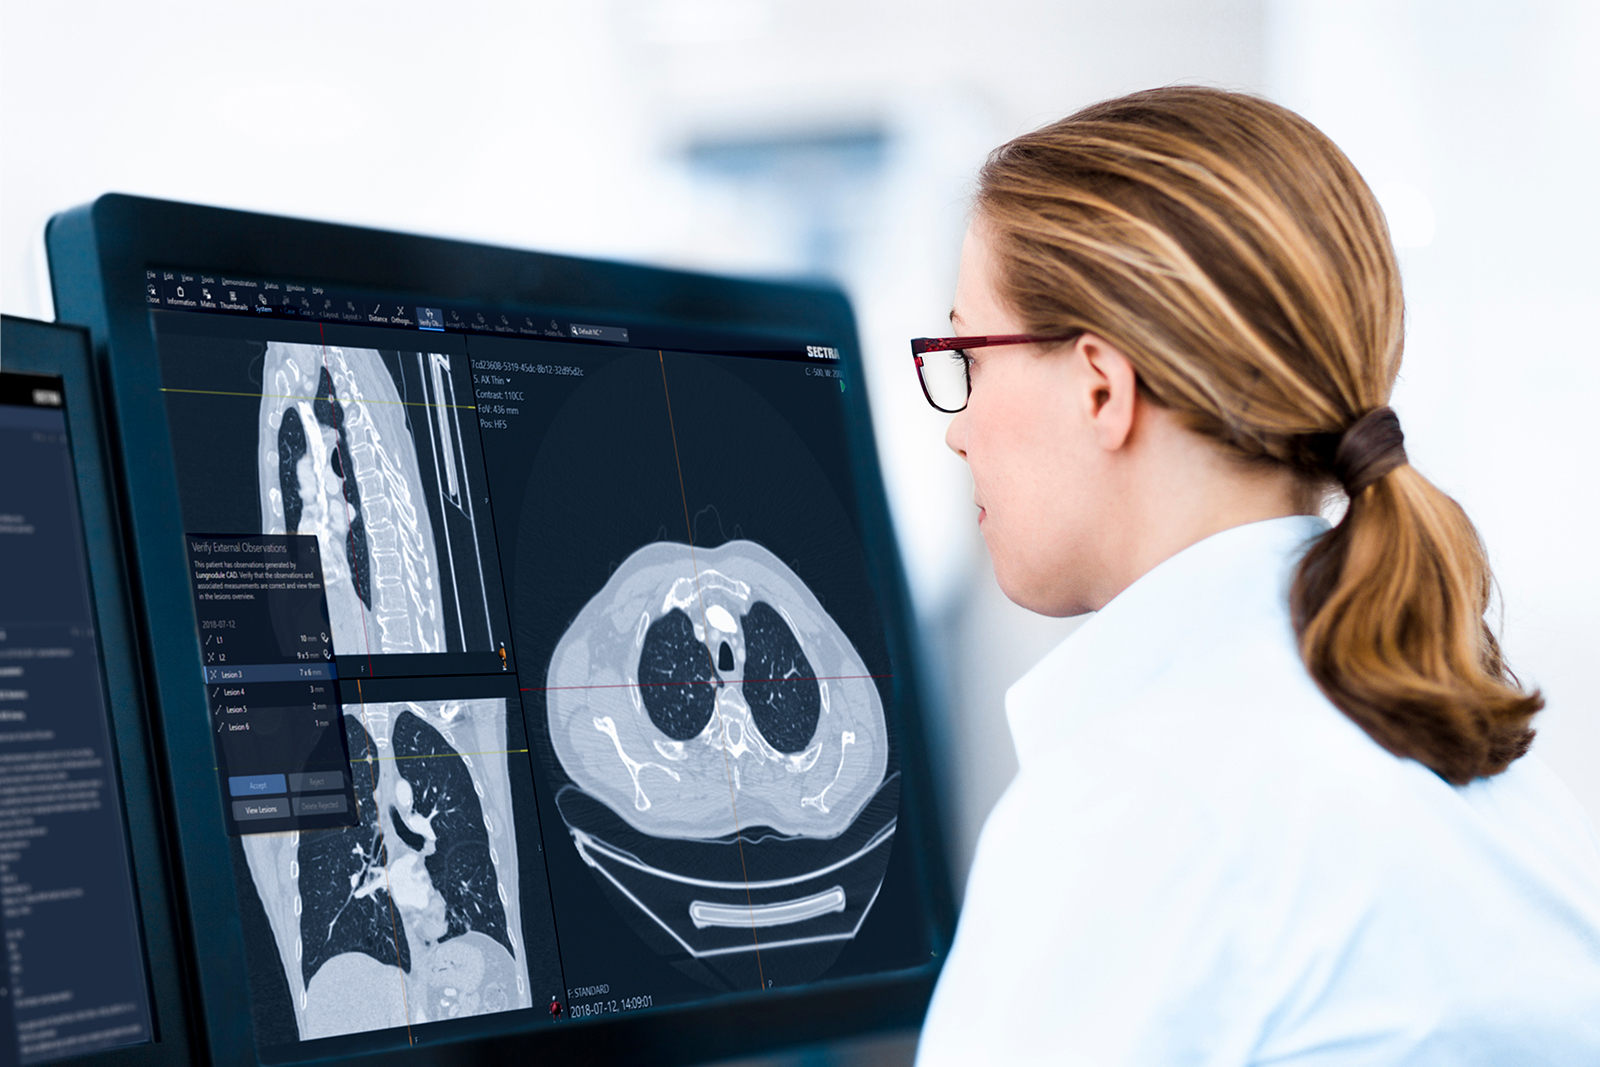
(1237,257)
(1389,607)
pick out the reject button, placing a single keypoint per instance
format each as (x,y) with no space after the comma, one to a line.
(332,804)
(257,785)
(316,781)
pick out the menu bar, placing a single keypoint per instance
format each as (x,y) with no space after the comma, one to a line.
(283,301)
(175,290)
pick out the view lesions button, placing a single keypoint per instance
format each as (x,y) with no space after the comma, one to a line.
(271,808)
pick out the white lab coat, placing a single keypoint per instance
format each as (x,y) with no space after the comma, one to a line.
(1202,861)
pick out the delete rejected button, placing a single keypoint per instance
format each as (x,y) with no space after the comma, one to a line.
(332,804)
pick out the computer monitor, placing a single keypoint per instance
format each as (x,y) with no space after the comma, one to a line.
(92,953)
(533,661)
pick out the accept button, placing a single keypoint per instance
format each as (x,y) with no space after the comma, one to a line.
(257,785)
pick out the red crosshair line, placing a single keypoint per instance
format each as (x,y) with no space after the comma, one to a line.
(348,465)
(738,835)
(394,923)
(349,515)
(654,685)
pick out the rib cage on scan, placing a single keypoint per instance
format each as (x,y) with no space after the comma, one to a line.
(702,698)
(410,916)
(338,461)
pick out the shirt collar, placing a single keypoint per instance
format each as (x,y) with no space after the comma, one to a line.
(1200,598)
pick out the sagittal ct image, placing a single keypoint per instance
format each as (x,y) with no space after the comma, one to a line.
(730,762)
(410,916)
(345,457)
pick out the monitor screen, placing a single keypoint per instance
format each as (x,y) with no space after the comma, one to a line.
(549,647)
(74,980)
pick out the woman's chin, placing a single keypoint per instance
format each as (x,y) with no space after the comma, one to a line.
(1040,590)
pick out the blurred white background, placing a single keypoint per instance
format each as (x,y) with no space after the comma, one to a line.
(839,138)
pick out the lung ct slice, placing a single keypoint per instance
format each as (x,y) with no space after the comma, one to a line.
(442,792)
(344,905)
(331,414)
(291,450)
(675,677)
(780,685)
(355,551)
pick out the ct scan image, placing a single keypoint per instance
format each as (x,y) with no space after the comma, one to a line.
(729,759)
(344,457)
(711,716)
(412,915)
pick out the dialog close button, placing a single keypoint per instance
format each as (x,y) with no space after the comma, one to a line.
(316,782)
(276,808)
(331,804)
(257,785)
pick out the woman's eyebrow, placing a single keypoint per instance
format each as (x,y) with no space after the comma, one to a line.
(954,317)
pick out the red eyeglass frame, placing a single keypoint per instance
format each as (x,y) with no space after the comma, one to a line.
(922,345)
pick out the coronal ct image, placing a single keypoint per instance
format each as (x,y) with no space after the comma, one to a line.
(729,758)
(344,457)
(411,916)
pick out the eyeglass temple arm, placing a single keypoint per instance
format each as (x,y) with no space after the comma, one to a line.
(923,345)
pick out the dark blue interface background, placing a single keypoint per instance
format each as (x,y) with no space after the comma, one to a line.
(615,685)
(74,977)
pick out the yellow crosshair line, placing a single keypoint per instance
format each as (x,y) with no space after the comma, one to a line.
(436,755)
(297,396)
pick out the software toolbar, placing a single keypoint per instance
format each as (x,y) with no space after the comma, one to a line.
(176,290)
(288,301)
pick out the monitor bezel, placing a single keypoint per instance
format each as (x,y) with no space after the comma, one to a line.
(28,346)
(98,255)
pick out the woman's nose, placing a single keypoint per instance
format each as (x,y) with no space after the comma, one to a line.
(955,435)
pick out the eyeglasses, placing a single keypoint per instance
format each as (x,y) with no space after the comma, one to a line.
(946,379)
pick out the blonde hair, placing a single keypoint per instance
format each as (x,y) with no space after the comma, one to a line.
(1237,257)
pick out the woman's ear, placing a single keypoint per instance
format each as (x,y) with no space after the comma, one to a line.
(1111,389)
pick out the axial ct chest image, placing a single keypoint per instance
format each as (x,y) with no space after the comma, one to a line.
(707,701)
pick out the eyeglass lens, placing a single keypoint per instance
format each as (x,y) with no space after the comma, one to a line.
(944,376)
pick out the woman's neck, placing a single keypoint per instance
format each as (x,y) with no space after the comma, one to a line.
(1172,487)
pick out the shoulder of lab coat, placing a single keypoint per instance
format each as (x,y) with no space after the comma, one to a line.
(1203,861)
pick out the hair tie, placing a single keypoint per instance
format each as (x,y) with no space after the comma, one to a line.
(1371,447)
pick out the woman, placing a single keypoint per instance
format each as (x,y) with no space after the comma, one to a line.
(1274,804)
